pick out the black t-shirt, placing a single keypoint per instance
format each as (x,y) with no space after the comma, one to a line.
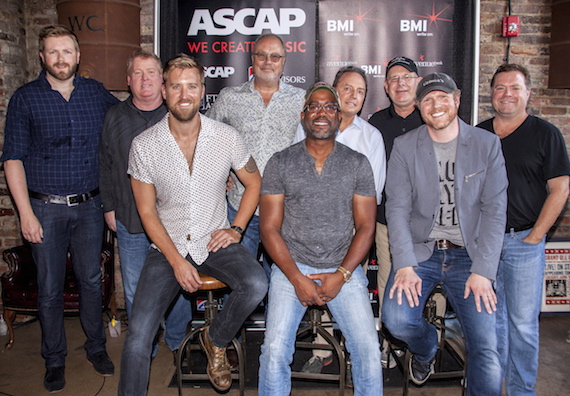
(391,125)
(534,153)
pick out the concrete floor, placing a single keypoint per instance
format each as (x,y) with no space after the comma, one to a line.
(22,368)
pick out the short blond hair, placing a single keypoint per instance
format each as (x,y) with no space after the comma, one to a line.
(183,61)
(56,31)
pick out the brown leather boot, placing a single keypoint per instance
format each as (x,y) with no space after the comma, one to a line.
(218,368)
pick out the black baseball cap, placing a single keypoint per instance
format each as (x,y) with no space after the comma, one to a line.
(409,64)
(435,82)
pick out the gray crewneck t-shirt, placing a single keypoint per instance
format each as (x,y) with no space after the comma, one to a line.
(318,223)
(447,223)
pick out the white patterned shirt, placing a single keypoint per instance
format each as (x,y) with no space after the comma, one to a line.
(265,129)
(190,206)
(367,140)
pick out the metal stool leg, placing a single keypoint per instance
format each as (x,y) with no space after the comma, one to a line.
(439,323)
(314,324)
(211,309)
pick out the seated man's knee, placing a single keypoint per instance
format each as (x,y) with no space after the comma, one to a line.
(399,320)
(277,351)
(257,285)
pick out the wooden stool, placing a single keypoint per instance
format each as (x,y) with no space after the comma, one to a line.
(315,325)
(210,285)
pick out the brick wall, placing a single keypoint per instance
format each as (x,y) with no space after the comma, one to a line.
(530,49)
(20,21)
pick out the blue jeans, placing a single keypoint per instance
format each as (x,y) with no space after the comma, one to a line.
(79,229)
(519,289)
(133,249)
(351,310)
(451,269)
(158,287)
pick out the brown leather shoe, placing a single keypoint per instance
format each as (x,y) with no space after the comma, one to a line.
(218,368)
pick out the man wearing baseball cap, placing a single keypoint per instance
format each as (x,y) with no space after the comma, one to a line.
(317,210)
(400,117)
(446,211)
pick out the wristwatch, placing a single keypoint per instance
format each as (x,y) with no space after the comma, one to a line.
(346,274)
(237,229)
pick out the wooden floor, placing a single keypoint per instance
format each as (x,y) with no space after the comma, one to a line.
(22,368)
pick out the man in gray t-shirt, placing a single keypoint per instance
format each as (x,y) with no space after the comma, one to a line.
(317,222)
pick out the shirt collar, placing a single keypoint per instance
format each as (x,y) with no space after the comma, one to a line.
(43,77)
(393,113)
(248,86)
(357,121)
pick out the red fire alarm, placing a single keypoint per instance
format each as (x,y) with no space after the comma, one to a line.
(511,26)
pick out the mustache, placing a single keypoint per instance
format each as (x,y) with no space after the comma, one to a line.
(322,119)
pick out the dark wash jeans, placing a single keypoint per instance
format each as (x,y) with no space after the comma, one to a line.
(79,229)
(451,268)
(158,286)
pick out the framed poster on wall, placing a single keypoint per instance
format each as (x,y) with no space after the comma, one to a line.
(556,287)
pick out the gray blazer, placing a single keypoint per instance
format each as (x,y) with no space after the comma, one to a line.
(412,189)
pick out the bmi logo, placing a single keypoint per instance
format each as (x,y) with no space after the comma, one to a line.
(420,26)
(413,26)
(340,26)
(372,69)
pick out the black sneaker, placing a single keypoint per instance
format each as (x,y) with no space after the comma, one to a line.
(102,364)
(54,380)
(316,363)
(419,371)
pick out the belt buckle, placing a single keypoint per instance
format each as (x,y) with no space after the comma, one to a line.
(68,199)
(441,244)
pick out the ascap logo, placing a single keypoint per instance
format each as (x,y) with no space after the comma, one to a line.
(413,26)
(340,26)
(219,71)
(226,21)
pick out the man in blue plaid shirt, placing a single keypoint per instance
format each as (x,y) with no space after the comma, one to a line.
(51,163)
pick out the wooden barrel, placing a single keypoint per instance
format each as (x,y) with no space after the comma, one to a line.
(108,32)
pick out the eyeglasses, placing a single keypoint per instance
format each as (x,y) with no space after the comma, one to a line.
(315,108)
(396,79)
(273,57)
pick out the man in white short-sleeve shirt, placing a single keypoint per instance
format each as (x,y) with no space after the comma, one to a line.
(179,169)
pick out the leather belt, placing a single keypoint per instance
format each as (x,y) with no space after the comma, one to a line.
(69,200)
(521,228)
(444,244)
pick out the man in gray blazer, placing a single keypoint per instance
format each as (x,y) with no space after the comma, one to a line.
(446,214)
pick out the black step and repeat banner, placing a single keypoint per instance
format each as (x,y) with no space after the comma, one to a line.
(221,34)
(436,34)
(322,36)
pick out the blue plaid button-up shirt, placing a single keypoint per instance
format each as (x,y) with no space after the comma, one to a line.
(57,140)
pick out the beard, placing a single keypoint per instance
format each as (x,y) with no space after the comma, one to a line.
(183,115)
(322,135)
(62,75)
(443,122)
(319,134)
